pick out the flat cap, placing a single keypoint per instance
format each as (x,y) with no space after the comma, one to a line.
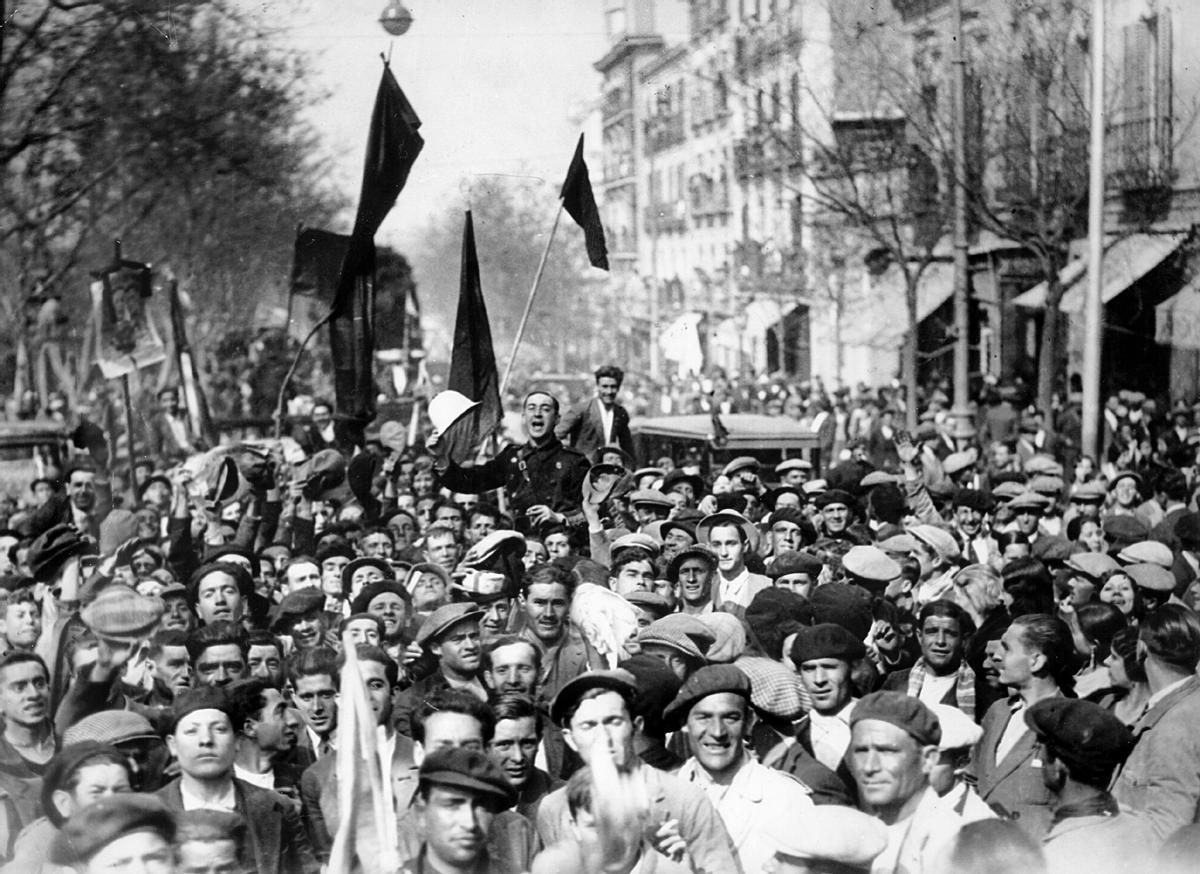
(1052,548)
(794,562)
(774,688)
(683,633)
(1151,576)
(679,477)
(959,731)
(651,602)
(815,486)
(795,517)
(842,604)
(443,619)
(792,464)
(1005,492)
(620,681)
(657,686)
(772,496)
(92,828)
(956,462)
(1084,736)
(1093,565)
(870,563)
(900,710)
(841,835)
(297,604)
(710,680)
(1125,529)
(727,517)
(371,591)
(1187,529)
(1042,464)
(1147,552)
(651,497)
(1029,500)
(834,496)
(729,636)
(1088,493)
(742,462)
(1050,486)
(938,539)
(109,727)
(637,539)
(467,769)
(684,526)
(648,471)
(120,612)
(701,552)
(898,544)
(379,564)
(878,478)
(973,499)
(826,641)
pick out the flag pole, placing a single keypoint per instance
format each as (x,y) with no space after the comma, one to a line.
(537,279)
(287,378)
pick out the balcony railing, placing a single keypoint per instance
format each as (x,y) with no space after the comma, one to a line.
(666,217)
(1139,156)
(664,131)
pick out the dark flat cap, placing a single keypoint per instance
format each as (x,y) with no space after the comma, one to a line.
(1086,737)
(50,551)
(443,619)
(378,563)
(773,614)
(97,825)
(60,768)
(1125,529)
(973,499)
(842,604)
(701,552)
(900,710)
(834,496)
(468,769)
(371,591)
(794,562)
(796,517)
(709,680)
(620,681)
(657,686)
(679,476)
(683,525)
(297,604)
(653,603)
(826,641)
(322,473)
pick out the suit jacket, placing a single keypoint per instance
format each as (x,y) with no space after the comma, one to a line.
(276,833)
(1160,781)
(1013,787)
(58,511)
(162,443)
(582,428)
(319,794)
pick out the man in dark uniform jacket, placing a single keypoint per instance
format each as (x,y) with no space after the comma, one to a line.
(543,478)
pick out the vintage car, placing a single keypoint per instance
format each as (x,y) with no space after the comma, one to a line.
(711,442)
(30,449)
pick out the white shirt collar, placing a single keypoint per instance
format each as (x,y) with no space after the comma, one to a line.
(1164,692)
(226,802)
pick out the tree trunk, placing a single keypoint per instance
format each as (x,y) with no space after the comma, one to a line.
(909,363)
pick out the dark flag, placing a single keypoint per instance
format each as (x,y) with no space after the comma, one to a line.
(392,147)
(473,360)
(580,204)
(317,263)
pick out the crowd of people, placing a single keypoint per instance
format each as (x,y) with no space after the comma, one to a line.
(923,655)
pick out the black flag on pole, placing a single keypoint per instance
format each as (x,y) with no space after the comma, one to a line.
(580,204)
(392,147)
(473,360)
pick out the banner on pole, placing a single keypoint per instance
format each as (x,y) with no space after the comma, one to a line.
(126,337)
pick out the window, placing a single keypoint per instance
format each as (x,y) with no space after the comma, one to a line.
(1143,132)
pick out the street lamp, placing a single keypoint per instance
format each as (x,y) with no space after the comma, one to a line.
(395,18)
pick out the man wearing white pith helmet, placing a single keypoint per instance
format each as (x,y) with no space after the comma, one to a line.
(542,478)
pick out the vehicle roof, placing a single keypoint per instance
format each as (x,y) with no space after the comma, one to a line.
(31,431)
(746,430)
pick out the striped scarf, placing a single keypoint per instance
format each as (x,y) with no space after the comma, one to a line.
(964,685)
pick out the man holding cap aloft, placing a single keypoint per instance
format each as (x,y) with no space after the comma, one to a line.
(594,712)
(893,751)
(759,805)
(1082,744)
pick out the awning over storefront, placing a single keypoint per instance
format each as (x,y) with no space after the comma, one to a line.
(1177,321)
(1125,262)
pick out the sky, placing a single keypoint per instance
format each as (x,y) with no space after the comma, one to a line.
(501,86)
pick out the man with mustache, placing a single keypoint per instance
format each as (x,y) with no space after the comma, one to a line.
(542,478)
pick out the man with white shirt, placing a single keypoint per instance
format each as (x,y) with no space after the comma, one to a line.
(202,739)
(599,421)
(759,805)
(824,656)
(732,536)
(940,676)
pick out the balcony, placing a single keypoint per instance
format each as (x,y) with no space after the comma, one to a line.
(616,102)
(766,150)
(708,197)
(758,46)
(663,131)
(666,217)
(1139,156)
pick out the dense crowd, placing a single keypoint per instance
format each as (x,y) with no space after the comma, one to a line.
(929,654)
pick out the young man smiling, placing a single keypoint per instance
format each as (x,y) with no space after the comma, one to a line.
(759,806)
(732,537)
